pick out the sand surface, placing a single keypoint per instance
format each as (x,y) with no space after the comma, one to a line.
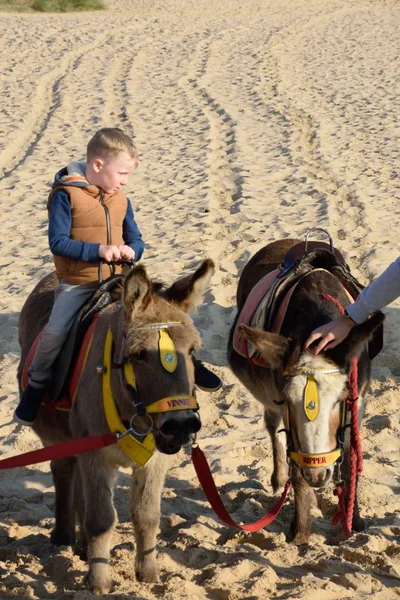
(254,120)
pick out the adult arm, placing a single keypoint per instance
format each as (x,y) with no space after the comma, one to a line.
(378,294)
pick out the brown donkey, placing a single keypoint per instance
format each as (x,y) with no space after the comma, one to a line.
(84,484)
(303,394)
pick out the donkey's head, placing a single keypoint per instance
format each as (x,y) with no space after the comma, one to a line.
(159,341)
(313,392)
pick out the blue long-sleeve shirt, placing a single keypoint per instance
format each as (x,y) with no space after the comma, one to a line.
(60,221)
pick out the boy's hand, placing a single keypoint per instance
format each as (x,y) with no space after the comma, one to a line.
(110,253)
(127,253)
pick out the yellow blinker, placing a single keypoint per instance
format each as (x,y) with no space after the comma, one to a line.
(168,357)
(311,399)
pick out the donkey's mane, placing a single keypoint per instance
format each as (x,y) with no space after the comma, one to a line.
(311,310)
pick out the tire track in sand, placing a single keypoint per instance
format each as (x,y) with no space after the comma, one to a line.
(46,100)
(336,199)
(225,187)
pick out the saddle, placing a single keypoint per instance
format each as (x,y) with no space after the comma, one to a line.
(107,292)
(272,294)
(302,259)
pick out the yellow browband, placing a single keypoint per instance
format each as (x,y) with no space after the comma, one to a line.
(140,452)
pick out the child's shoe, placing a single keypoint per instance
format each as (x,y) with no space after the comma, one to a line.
(204,378)
(28,407)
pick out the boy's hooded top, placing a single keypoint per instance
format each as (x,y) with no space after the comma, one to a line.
(81,217)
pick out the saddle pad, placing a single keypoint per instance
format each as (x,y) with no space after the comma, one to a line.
(65,401)
(259,294)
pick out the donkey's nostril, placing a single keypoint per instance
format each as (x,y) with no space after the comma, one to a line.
(317,478)
(170,427)
(174,427)
(194,425)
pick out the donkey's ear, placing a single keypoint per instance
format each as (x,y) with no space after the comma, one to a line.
(274,348)
(137,290)
(353,345)
(188,291)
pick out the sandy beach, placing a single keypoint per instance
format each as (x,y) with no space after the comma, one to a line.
(254,120)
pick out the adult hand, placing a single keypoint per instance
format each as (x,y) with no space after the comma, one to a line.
(331,334)
(127,253)
(110,253)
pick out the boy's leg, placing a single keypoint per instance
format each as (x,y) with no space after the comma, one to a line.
(68,301)
(204,378)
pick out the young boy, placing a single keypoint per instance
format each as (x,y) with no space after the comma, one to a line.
(90,219)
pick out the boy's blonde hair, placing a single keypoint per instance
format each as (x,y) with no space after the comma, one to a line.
(109,142)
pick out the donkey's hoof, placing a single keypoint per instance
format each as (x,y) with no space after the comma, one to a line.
(303,549)
(100,590)
(62,538)
(358,524)
(301,540)
(147,574)
(98,586)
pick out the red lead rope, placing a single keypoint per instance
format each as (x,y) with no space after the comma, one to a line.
(345,513)
(61,450)
(208,485)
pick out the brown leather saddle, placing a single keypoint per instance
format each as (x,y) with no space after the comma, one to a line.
(303,258)
(303,249)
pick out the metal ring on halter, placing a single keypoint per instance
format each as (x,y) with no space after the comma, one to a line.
(317,229)
(337,473)
(194,443)
(140,433)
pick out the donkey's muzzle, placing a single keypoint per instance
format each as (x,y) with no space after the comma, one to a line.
(317,478)
(177,431)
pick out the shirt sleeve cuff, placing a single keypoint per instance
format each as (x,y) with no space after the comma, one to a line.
(358,312)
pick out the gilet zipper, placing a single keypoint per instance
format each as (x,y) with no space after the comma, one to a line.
(108,229)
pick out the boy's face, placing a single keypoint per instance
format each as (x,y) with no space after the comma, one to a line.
(110,174)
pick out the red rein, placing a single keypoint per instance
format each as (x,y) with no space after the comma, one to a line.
(345,514)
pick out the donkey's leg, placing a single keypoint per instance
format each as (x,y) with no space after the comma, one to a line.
(81,547)
(273,423)
(63,471)
(98,479)
(304,498)
(145,510)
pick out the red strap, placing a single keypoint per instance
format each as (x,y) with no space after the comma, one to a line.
(208,485)
(61,450)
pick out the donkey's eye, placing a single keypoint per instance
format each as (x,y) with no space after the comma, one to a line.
(141,355)
(191,350)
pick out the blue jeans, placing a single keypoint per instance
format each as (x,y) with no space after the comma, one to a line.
(68,301)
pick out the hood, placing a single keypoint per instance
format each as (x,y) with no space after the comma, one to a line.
(74,175)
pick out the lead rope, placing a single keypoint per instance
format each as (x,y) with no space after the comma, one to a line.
(345,514)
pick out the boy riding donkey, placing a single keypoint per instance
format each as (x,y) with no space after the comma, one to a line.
(90,219)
